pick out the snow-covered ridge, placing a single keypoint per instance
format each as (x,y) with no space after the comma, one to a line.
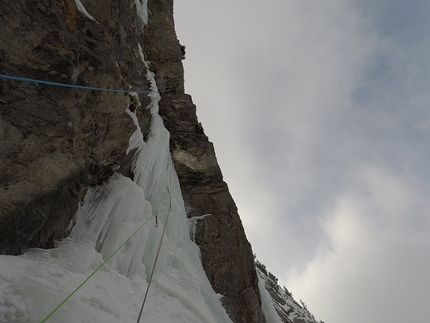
(287,308)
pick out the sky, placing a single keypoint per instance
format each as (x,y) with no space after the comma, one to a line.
(319,114)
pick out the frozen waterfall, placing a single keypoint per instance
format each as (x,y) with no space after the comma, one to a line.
(34,284)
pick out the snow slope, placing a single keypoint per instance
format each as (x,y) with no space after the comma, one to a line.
(34,284)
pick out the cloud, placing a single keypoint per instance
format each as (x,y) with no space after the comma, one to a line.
(318,111)
(296,81)
(376,266)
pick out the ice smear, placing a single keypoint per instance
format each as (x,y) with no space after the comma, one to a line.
(266,303)
(142,11)
(193,225)
(84,11)
(33,284)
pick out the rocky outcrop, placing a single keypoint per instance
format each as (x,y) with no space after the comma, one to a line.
(288,310)
(57,141)
(225,251)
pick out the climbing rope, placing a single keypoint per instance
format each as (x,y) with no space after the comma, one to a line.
(169,187)
(96,270)
(30,80)
(104,262)
(24,79)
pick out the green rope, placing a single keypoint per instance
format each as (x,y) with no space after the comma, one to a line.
(97,269)
(160,243)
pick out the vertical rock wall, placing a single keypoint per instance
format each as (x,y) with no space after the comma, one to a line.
(225,251)
(55,141)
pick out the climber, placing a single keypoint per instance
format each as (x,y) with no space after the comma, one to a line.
(199,128)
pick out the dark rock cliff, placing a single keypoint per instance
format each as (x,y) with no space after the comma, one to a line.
(56,142)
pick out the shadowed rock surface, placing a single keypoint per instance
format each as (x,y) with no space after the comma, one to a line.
(57,141)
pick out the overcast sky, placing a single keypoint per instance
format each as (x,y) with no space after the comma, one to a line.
(319,113)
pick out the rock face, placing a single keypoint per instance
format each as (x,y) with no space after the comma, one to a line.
(226,253)
(55,142)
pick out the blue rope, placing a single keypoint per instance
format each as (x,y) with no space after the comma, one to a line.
(24,79)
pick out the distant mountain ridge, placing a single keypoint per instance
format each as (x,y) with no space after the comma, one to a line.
(287,308)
